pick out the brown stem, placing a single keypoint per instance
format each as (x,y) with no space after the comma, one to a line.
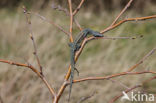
(142,60)
(126,20)
(51,22)
(128,90)
(52,91)
(78,8)
(68,14)
(112,76)
(124,9)
(71,20)
(32,38)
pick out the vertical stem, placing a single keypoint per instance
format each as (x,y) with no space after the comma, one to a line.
(71,20)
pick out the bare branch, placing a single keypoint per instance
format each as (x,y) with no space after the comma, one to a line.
(87,97)
(34,70)
(112,38)
(124,9)
(32,38)
(77,24)
(128,90)
(68,14)
(21,65)
(51,22)
(112,76)
(58,7)
(78,8)
(126,20)
(142,60)
(71,20)
(61,90)
(119,83)
(150,79)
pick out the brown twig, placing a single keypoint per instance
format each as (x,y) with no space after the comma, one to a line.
(87,97)
(61,90)
(128,90)
(142,60)
(59,8)
(67,13)
(113,38)
(150,79)
(71,20)
(77,24)
(32,38)
(119,83)
(51,22)
(126,20)
(52,91)
(112,76)
(78,8)
(124,9)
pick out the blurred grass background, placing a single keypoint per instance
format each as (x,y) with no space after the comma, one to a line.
(99,58)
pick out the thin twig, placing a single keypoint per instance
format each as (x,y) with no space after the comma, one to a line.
(78,24)
(113,38)
(67,13)
(126,20)
(59,8)
(142,60)
(150,79)
(124,9)
(78,8)
(118,82)
(51,22)
(87,97)
(111,76)
(71,20)
(32,38)
(128,90)
(60,92)
(52,91)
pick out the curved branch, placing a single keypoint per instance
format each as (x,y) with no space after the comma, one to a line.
(128,90)
(124,9)
(71,20)
(34,70)
(67,13)
(142,60)
(126,20)
(112,76)
(32,38)
(51,22)
(78,8)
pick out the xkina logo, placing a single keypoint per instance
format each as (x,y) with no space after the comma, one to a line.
(140,97)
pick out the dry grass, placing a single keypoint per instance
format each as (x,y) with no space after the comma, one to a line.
(18,85)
